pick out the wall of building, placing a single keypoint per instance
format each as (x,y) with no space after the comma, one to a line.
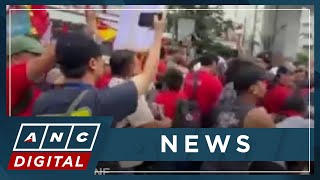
(280,26)
(304,40)
(287,32)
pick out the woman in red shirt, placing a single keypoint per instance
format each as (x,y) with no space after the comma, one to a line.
(169,97)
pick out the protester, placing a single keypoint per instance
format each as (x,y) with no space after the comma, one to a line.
(229,95)
(249,83)
(162,67)
(281,90)
(81,62)
(250,87)
(170,96)
(294,110)
(29,62)
(301,77)
(123,64)
(209,87)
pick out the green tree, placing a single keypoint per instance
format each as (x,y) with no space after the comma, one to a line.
(208,23)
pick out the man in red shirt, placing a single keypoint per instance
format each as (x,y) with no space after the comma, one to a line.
(277,95)
(169,97)
(27,63)
(209,87)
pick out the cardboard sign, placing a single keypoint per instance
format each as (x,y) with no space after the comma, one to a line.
(130,35)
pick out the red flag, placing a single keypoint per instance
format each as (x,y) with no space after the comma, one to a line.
(40,19)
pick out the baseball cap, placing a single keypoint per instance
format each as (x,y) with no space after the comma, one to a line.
(76,49)
(25,44)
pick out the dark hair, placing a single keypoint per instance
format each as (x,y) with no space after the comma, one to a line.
(248,76)
(73,52)
(281,71)
(208,59)
(295,102)
(266,58)
(234,66)
(120,62)
(173,79)
(162,53)
(76,72)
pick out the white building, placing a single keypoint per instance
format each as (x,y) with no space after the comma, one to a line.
(305,30)
(275,28)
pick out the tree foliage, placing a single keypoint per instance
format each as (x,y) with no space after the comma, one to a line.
(208,23)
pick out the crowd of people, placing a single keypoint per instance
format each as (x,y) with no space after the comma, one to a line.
(154,90)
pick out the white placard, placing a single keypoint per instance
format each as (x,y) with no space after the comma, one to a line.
(130,35)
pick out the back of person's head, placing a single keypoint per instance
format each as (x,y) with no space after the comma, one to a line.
(76,53)
(266,57)
(295,103)
(284,75)
(247,78)
(208,59)
(234,66)
(122,63)
(173,79)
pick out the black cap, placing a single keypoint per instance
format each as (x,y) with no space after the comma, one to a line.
(76,49)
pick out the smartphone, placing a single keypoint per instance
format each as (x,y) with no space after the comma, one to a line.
(146,19)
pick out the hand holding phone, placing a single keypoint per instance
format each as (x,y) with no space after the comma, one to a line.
(151,20)
(160,22)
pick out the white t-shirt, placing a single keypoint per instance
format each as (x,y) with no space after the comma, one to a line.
(141,116)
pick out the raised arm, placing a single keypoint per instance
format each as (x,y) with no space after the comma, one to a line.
(37,66)
(143,80)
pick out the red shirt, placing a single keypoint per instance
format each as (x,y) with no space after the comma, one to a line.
(20,84)
(208,90)
(275,99)
(169,100)
(103,81)
(162,68)
(35,94)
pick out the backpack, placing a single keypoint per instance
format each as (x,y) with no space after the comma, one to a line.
(188,113)
(72,109)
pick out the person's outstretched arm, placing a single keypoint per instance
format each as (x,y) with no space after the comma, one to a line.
(143,80)
(122,100)
(38,66)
